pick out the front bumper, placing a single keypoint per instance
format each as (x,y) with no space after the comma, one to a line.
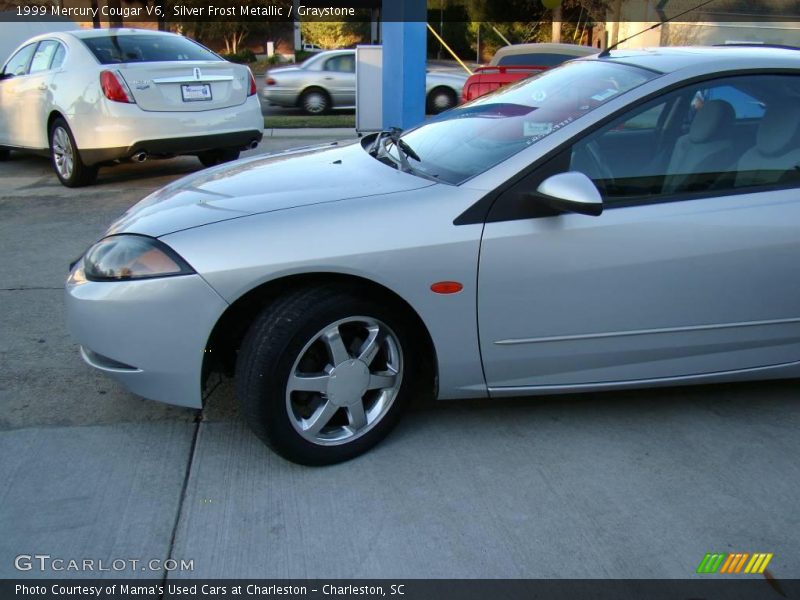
(150,335)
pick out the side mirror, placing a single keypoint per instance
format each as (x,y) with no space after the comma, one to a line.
(571,192)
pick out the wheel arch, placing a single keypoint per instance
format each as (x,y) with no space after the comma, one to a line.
(229,331)
(54,114)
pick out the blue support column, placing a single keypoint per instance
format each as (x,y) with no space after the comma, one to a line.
(404,62)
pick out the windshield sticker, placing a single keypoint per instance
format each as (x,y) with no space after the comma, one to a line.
(604,95)
(546,129)
(533,128)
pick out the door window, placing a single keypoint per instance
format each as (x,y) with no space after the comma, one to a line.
(344,63)
(43,56)
(729,135)
(18,64)
(58,58)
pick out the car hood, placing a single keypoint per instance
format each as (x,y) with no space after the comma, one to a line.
(265,183)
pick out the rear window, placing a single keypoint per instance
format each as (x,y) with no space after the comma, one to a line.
(533,60)
(114,49)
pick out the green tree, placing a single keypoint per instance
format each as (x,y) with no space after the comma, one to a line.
(332,34)
(231,34)
(498,20)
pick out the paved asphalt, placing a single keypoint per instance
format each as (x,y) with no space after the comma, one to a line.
(636,484)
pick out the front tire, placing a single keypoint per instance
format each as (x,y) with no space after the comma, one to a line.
(66,158)
(324,373)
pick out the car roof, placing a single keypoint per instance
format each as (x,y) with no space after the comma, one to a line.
(332,52)
(668,59)
(90,33)
(545,48)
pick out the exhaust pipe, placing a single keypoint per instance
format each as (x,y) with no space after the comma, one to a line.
(139,157)
(253,145)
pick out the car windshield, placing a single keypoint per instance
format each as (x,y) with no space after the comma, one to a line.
(472,138)
(114,49)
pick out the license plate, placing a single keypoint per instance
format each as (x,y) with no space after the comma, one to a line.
(196,93)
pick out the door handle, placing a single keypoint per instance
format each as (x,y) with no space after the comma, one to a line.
(328,78)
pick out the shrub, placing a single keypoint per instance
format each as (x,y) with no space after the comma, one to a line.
(243,56)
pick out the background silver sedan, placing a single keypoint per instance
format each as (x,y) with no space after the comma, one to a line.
(328,80)
(625,220)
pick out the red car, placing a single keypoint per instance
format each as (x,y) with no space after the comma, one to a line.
(512,63)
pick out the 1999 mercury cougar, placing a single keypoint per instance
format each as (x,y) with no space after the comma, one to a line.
(630,219)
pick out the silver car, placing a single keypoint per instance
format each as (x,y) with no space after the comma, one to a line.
(625,220)
(328,80)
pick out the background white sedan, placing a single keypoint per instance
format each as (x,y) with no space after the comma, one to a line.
(90,98)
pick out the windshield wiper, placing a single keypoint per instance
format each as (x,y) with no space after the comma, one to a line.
(404,150)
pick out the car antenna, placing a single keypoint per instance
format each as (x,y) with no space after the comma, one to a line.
(606,52)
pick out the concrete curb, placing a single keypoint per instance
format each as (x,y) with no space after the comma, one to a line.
(311,132)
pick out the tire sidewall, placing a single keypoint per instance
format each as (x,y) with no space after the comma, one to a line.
(81,174)
(441,91)
(325,97)
(271,415)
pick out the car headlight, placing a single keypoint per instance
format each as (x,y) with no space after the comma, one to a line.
(125,257)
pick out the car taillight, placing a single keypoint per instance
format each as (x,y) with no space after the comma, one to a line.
(253,88)
(114,88)
(271,81)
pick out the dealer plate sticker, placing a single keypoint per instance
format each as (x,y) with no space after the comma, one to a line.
(196,93)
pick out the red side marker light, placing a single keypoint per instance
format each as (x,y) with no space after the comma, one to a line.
(446,287)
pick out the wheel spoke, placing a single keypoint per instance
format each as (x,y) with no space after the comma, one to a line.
(63,154)
(380,381)
(308,383)
(336,349)
(371,346)
(325,397)
(320,418)
(356,416)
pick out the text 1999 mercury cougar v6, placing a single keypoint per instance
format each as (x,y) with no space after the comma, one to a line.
(625,220)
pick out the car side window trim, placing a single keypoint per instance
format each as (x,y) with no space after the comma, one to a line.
(480,211)
(61,47)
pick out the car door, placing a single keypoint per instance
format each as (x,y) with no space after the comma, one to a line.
(691,270)
(35,93)
(12,114)
(339,78)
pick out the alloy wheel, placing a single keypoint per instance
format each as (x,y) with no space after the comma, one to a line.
(315,103)
(344,381)
(63,152)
